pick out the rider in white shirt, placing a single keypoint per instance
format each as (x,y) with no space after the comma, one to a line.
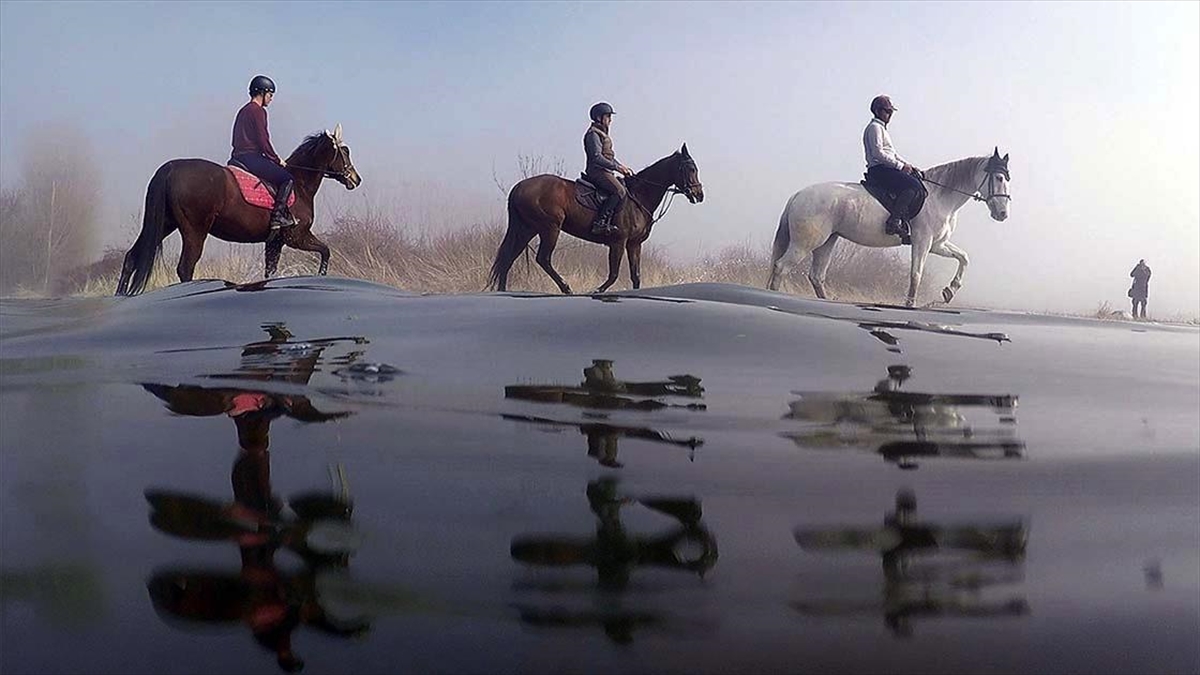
(890,171)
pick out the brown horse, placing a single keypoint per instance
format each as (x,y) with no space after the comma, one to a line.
(545,205)
(199,198)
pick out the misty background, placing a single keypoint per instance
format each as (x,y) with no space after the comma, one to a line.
(1096,103)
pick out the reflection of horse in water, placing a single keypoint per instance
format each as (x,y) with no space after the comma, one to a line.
(615,553)
(315,526)
(902,425)
(271,602)
(601,390)
(970,557)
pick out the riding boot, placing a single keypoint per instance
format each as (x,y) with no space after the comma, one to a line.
(280,215)
(603,223)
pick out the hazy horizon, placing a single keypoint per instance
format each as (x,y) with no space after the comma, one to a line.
(1095,102)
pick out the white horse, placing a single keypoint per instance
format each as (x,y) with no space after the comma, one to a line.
(818,215)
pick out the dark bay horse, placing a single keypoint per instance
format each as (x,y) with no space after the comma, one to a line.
(199,198)
(545,205)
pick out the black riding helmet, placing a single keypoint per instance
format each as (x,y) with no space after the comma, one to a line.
(599,110)
(263,84)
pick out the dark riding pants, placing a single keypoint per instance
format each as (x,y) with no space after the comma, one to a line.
(266,169)
(910,192)
(609,184)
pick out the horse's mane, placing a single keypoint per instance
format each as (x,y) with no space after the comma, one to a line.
(310,145)
(960,172)
(655,165)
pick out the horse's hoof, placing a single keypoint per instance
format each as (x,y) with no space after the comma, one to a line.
(909,303)
(947,294)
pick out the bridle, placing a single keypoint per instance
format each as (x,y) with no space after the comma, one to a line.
(342,176)
(688,190)
(990,172)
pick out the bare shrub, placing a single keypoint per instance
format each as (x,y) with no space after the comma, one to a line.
(48,223)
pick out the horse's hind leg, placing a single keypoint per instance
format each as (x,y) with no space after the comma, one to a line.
(193,246)
(783,267)
(821,256)
(546,243)
(309,242)
(193,239)
(520,238)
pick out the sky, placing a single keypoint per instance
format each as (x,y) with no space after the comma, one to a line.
(1095,102)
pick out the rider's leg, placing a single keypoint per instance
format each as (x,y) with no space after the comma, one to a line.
(280,216)
(616,197)
(895,181)
(278,177)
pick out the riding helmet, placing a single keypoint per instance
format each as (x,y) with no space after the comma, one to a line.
(263,84)
(599,110)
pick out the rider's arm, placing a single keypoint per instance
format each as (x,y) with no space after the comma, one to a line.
(261,136)
(592,146)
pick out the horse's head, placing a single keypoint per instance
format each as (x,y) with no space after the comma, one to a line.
(995,185)
(326,154)
(340,167)
(687,177)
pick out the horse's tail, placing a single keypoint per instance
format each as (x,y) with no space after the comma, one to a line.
(511,247)
(783,238)
(157,222)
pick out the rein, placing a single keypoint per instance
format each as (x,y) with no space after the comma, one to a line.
(973,195)
(670,189)
(325,173)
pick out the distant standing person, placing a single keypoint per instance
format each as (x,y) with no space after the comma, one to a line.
(1141,287)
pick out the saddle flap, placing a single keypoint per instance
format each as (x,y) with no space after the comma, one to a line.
(255,190)
(880,193)
(587,194)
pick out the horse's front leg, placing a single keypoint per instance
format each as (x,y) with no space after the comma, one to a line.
(616,251)
(635,264)
(920,251)
(271,253)
(948,250)
(307,241)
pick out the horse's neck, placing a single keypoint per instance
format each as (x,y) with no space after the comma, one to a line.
(306,176)
(653,183)
(307,181)
(962,176)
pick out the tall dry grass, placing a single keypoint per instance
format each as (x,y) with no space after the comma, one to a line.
(372,247)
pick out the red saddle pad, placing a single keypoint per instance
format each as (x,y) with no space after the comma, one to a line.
(254,191)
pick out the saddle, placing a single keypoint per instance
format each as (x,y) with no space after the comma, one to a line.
(255,190)
(588,195)
(887,198)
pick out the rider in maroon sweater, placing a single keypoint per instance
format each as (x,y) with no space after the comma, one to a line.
(252,148)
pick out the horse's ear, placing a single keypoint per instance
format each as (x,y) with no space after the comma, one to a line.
(684,150)
(1005,159)
(996,152)
(337,133)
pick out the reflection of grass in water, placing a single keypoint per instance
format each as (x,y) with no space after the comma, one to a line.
(44,364)
(70,595)
(371,247)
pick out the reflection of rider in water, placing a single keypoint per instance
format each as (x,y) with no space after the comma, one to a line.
(271,616)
